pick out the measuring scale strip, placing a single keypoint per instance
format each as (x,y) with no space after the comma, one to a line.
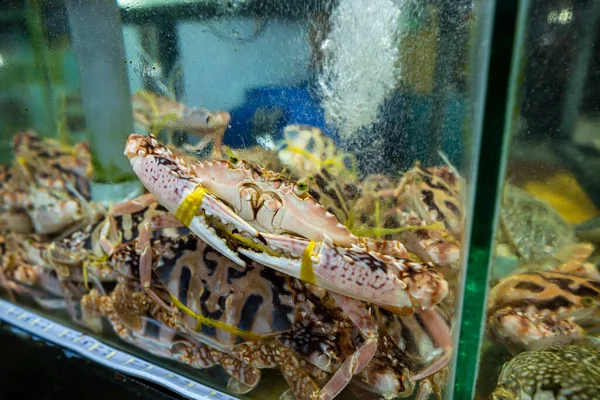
(101,353)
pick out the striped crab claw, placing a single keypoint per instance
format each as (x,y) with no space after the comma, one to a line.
(396,284)
(170,180)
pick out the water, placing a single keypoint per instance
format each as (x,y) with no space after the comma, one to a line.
(546,195)
(360,66)
(306,126)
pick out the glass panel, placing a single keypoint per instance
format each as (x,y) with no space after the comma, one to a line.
(308,234)
(544,286)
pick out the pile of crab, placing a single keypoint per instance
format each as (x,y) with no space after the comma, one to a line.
(331,279)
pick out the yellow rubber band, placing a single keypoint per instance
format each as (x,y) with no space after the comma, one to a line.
(95,261)
(202,320)
(22,161)
(307,273)
(252,245)
(85,276)
(190,205)
(300,151)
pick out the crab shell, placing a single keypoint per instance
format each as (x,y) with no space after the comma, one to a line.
(169,179)
(147,330)
(51,215)
(270,202)
(45,159)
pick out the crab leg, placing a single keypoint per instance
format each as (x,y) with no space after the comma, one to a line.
(156,222)
(243,377)
(132,206)
(272,355)
(4,282)
(175,187)
(145,268)
(67,294)
(144,245)
(396,284)
(354,364)
(440,332)
(110,226)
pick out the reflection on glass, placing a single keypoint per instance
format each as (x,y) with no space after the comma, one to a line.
(306,171)
(543,302)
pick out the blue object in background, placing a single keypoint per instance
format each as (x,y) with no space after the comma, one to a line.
(408,119)
(298,105)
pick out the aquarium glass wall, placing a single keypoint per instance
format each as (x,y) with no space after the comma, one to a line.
(270,198)
(542,309)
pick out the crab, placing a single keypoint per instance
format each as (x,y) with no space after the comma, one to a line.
(58,212)
(537,309)
(48,185)
(204,302)
(378,207)
(45,160)
(428,215)
(413,349)
(283,323)
(434,194)
(137,320)
(13,202)
(205,295)
(83,256)
(306,151)
(197,194)
(558,372)
(536,233)
(158,112)
(24,271)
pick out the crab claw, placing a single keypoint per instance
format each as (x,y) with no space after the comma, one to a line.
(167,177)
(396,284)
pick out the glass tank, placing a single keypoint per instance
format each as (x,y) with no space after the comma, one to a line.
(272,199)
(541,316)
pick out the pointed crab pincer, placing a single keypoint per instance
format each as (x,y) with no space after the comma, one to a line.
(169,179)
(396,284)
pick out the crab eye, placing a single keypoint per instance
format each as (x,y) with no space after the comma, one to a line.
(302,187)
(588,301)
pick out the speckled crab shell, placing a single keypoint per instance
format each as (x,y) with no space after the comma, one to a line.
(434,194)
(533,310)
(558,372)
(270,202)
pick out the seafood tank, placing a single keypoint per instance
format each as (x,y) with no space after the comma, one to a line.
(250,199)
(540,321)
